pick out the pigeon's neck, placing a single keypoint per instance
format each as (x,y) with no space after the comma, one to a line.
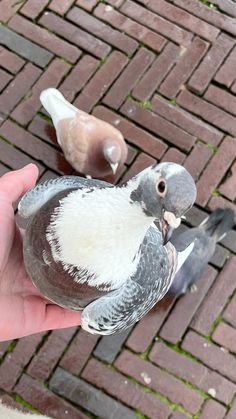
(100,231)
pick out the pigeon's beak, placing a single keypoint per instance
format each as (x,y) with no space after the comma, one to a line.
(114,167)
(168,224)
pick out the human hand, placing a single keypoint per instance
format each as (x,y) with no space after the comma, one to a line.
(23,310)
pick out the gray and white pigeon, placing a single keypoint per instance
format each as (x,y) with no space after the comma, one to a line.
(94,247)
(205,237)
(90,145)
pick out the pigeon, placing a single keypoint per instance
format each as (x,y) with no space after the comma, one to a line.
(93,246)
(205,237)
(92,146)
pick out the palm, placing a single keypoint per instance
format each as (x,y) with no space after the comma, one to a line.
(23,310)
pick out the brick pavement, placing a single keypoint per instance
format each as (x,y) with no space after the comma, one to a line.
(164,73)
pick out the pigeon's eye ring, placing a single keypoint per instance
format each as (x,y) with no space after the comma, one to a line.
(161,187)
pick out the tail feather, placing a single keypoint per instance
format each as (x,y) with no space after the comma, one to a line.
(56,105)
(219,223)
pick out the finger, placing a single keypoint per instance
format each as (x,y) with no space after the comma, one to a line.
(16,183)
(58,318)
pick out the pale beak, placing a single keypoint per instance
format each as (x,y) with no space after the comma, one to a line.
(168,224)
(114,167)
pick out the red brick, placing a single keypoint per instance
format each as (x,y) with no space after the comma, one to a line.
(50,352)
(43,129)
(225,336)
(216,169)
(78,352)
(133,134)
(229,313)
(226,75)
(130,27)
(18,87)
(86,4)
(10,61)
(8,8)
(4,79)
(60,7)
(174,155)
(193,372)
(158,125)
(228,187)
(101,30)
(27,108)
(43,37)
(33,8)
(185,120)
(217,19)
(178,415)
(35,147)
(232,412)
(210,63)
(147,328)
(227,6)
(125,390)
(15,361)
(197,159)
(208,112)
(160,381)
(156,23)
(76,36)
(210,354)
(187,63)
(180,317)
(233,88)
(157,72)
(216,299)
(219,201)
(220,256)
(46,401)
(78,77)
(221,98)
(116,3)
(188,21)
(212,409)
(101,82)
(124,84)
(141,162)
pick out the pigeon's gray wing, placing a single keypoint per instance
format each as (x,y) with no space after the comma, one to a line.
(123,307)
(36,197)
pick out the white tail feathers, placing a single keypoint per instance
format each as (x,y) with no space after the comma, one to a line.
(182,256)
(56,105)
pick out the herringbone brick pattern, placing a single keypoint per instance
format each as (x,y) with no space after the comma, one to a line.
(164,73)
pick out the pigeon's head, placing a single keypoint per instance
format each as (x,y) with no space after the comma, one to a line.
(165,191)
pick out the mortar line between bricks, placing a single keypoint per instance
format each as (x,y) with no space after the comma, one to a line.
(216,105)
(34,20)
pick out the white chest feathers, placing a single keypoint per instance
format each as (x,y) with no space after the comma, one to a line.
(99,231)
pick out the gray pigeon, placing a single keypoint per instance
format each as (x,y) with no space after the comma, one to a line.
(94,247)
(205,237)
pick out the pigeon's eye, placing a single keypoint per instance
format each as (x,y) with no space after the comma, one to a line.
(161,187)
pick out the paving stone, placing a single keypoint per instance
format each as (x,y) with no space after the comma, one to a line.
(198,159)
(109,346)
(5,78)
(221,98)
(50,352)
(141,162)
(223,22)
(188,61)
(130,27)
(78,352)
(210,354)
(210,63)
(158,125)
(33,8)
(101,82)
(212,409)
(156,23)
(174,155)
(28,107)
(44,129)
(229,241)
(225,336)
(227,6)
(226,74)
(133,134)
(125,390)
(220,256)
(178,415)
(160,381)
(232,412)
(86,4)
(228,187)
(76,36)
(124,84)
(43,37)
(46,401)
(177,323)
(101,30)
(85,395)
(60,7)
(157,72)
(10,61)
(229,313)
(8,8)
(193,372)
(216,299)
(215,170)
(207,111)
(4,345)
